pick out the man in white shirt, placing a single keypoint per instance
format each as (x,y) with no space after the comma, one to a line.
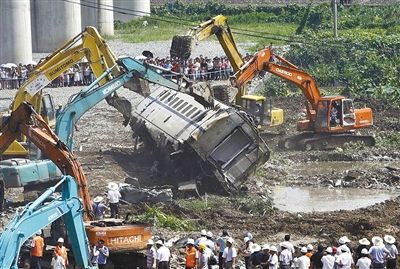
(210,242)
(162,256)
(273,261)
(303,262)
(288,244)
(229,254)
(202,238)
(364,262)
(285,257)
(345,260)
(150,255)
(392,251)
(203,257)
(378,253)
(328,260)
(113,196)
(57,262)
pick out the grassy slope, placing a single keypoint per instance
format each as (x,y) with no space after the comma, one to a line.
(135,32)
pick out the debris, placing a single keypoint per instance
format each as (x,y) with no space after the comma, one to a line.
(134,194)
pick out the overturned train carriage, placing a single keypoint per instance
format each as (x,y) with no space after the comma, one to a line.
(219,142)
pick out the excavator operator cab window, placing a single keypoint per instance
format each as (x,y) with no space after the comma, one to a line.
(335,114)
(321,121)
(48,110)
(348,112)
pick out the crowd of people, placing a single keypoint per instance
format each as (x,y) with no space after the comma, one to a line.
(199,68)
(221,252)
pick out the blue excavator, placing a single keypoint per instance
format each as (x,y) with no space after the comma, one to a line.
(37,215)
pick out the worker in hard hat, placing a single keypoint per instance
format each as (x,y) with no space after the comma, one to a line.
(61,250)
(191,255)
(203,257)
(151,255)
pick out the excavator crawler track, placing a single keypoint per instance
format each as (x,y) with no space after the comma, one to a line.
(310,141)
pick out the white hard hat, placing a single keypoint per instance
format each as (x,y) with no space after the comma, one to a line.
(209,234)
(112,186)
(303,250)
(273,248)
(310,247)
(255,248)
(203,232)
(159,242)
(364,251)
(344,248)
(344,240)
(265,246)
(190,241)
(98,199)
(329,250)
(389,239)
(364,242)
(284,245)
(60,240)
(246,239)
(150,242)
(377,241)
(39,232)
(230,240)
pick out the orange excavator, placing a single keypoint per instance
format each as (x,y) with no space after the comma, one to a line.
(330,121)
(118,236)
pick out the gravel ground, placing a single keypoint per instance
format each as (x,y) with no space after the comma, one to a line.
(161,48)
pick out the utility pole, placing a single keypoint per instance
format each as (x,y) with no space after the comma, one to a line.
(335,15)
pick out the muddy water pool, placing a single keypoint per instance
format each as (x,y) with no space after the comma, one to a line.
(324,199)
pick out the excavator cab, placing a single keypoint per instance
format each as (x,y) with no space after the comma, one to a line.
(335,114)
(255,105)
(48,111)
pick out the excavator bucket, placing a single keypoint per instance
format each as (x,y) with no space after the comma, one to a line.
(181,46)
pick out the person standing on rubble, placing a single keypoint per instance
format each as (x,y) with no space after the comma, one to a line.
(221,245)
(378,253)
(273,261)
(61,250)
(328,261)
(151,253)
(191,255)
(37,251)
(113,196)
(98,208)
(288,243)
(303,262)
(247,251)
(102,253)
(162,256)
(210,242)
(315,259)
(285,257)
(202,238)
(229,255)
(392,251)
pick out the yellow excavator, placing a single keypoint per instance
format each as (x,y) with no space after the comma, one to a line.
(254,104)
(88,44)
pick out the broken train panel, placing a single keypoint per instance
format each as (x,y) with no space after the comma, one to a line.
(221,142)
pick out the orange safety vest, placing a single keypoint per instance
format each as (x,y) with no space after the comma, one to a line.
(191,257)
(62,251)
(38,244)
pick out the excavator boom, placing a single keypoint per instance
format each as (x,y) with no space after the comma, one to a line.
(36,216)
(88,44)
(46,140)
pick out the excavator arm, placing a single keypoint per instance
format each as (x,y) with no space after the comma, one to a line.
(216,26)
(264,61)
(87,44)
(36,216)
(92,95)
(24,120)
